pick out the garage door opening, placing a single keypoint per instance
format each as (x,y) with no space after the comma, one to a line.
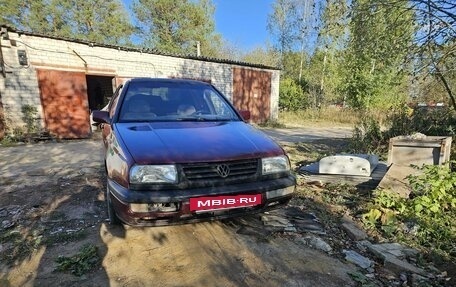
(99,91)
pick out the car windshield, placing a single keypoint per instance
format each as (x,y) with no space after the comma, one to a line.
(174,101)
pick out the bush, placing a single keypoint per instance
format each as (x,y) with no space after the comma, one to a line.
(368,136)
(29,116)
(16,134)
(427,217)
(291,96)
(437,121)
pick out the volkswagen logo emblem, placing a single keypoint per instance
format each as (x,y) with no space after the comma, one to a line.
(223,170)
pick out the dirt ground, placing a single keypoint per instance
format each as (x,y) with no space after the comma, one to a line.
(52,204)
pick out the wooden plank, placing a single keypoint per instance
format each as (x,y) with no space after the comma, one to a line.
(404,150)
(396,180)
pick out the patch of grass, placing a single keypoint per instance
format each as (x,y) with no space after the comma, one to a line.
(10,236)
(322,116)
(82,262)
(8,142)
(424,221)
(297,157)
(425,218)
(361,279)
(21,245)
(272,124)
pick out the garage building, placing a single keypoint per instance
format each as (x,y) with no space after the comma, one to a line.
(66,78)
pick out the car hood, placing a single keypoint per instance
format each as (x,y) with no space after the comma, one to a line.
(189,142)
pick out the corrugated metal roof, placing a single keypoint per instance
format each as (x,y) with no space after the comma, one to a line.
(141,50)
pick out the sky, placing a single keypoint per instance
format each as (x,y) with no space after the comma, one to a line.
(241,22)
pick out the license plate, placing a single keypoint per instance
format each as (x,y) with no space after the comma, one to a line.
(224,202)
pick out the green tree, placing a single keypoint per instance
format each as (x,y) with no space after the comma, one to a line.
(25,15)
(435,44)
(177,26)
(259,55)
(315,65)
(435,85)
(291,64)
(380,36)
(326,66)
(108,23)
(282,25)
(333,34)
(432,53)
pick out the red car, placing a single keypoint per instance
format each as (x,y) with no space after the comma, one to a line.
(177,151)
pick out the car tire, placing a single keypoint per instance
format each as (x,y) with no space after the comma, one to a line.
(112,216)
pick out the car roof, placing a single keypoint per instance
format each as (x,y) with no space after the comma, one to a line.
(168,80)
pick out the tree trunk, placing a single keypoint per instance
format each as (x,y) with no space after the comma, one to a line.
(447,86)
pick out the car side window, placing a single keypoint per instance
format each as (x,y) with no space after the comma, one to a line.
(220,107)
(114,101)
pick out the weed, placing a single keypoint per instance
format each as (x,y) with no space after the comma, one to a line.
(272,124)
(29,116)
(430,210)
(340,194)
(367,136)
(361,279)
(21,245)
(16,133)
(321,116)
(85,260)
(12,137)
(370,137)
(10,236)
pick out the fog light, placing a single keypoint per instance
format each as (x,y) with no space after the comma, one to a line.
(280,192)
(139,207)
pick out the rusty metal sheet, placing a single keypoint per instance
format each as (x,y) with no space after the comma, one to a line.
(65,103)
(252,91)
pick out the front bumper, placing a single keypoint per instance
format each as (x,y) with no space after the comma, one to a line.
(275,193)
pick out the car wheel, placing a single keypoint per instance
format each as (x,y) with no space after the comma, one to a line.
(112,216)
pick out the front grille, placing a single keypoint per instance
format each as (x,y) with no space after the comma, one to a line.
(220,171)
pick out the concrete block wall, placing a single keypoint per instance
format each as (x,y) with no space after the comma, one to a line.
(20,86)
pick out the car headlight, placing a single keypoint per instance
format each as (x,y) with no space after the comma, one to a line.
(275,164)
(153,174)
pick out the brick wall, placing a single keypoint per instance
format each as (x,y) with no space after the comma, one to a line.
(20,86)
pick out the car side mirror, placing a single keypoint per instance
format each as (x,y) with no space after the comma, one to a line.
(101,117)
(245,115)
